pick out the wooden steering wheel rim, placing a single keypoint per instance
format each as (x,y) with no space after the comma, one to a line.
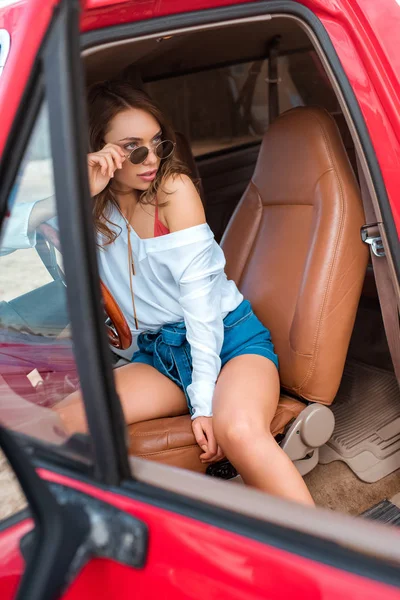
(119,333)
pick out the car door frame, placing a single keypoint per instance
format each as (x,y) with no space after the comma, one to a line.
(57,75)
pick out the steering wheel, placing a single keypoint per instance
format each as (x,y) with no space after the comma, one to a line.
(118,331)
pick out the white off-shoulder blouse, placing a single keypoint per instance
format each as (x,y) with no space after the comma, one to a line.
(178,277)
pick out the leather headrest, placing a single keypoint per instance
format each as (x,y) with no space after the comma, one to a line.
(303,142)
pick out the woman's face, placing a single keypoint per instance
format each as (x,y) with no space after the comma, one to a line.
(129,130)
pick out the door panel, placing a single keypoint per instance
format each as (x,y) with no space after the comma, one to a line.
(11,559)
(188,558)
(27,24)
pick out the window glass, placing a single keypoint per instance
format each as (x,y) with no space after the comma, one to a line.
(218,120)
(236,112)
(37,367)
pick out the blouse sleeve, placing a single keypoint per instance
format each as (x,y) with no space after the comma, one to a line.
(198,269)
(16,236)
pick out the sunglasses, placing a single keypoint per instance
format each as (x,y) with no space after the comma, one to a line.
(162,150)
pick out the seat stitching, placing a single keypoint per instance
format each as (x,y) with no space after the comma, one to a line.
(307,355)
(251,248)
(168,450)
(148,433)
(316,341)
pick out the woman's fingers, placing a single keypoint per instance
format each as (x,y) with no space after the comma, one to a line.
(199,435)
(213,459)
(204,434)
(212,442)
(117,154)
(110,162)
(220,455)
(109,159)
(100,161)
(116,148)
(201,439)
(102,166)
(117,157)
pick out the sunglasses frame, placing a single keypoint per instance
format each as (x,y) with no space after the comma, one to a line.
(155,152)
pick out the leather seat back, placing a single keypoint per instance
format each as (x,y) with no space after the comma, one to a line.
(293,247)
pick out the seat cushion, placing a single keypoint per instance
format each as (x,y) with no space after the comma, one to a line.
(171,440)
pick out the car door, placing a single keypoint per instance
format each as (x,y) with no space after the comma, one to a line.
(98,523)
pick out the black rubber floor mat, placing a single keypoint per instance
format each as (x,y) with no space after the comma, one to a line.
(385,512)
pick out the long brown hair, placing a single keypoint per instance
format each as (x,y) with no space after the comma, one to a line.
(105,100)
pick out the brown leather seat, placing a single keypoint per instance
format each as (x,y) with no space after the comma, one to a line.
(171,441)
(293,247)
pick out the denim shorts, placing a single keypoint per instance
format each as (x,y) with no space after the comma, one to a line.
(169,352)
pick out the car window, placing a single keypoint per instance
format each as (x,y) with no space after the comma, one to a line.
(37,366)
(5,42)
(236,112)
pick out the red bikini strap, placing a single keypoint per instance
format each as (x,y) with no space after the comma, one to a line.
(159,227)
(156,219)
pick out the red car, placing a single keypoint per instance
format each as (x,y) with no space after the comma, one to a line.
(288,115)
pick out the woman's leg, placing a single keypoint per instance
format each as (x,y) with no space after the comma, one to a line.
(245,401)
(144,393)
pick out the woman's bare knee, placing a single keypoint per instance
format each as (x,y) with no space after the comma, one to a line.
(238,429)
(72,413)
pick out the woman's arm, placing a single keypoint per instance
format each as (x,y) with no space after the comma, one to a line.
(19,231)
(200,296)
(183,208)
(42,211)
(25,218)
(199,272)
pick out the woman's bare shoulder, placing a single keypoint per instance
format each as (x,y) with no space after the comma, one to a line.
(184,207)
(177,184)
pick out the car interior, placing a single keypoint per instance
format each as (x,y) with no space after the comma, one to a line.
(265,132)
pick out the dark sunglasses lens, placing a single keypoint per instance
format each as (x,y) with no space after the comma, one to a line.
(165,149)
(139,155)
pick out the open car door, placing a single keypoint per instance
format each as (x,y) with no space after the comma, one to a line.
(96,526)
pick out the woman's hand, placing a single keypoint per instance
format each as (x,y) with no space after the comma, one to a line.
(102,166)
(204,434)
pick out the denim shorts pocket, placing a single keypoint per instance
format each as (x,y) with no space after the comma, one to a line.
(238,316)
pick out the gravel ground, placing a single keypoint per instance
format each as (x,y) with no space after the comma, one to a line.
(11,497)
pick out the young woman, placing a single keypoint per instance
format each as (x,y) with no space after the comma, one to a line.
(199,345)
